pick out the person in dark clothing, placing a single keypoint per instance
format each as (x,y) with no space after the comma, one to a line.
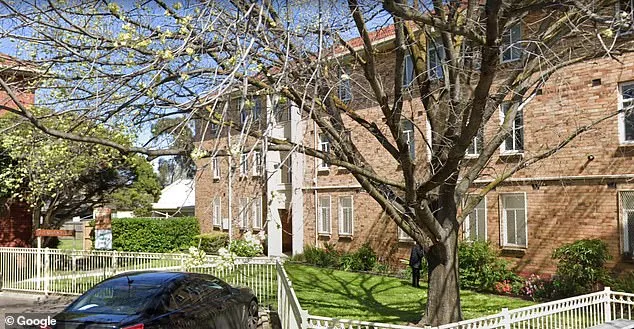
(415,262)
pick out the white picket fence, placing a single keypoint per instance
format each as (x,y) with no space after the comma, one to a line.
(73,272)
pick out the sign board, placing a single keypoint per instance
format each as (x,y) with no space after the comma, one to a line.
(42,232)
(103,239)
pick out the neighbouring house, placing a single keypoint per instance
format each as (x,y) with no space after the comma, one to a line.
(16,222)
(586,190)
(177,200)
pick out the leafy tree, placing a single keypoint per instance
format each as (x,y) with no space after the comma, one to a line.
(143,190)
(174,132)
(139,63)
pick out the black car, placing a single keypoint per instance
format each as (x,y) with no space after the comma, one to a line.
(169,300)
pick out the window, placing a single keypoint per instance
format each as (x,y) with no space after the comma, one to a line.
(344,90)
(475,225)
(214,129)
(324,146)
(408,135)
(257,212)
(627,220)
(323,215)
(257,109)
(244,115)
(282,111)
(244,164)
(257,163)
(285,168)
(408,70)
(244,213)
(514,143)
(346,216)
(435,57)
(476,145)
(511,50)
(216,168)
(402,236)
(217,212)
(626,116)
(514,222)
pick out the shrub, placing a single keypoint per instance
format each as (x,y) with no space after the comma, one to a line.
(481,268)
(248,246)
(327,257)
(154,234)
(624,283)
(537,288)
(211,242)
(580,269)
(363,259)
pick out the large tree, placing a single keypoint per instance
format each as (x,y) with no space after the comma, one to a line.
(132,64)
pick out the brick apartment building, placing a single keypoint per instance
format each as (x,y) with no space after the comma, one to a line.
(16,223)
(584,191)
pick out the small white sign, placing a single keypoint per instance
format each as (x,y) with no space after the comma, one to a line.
(103,239)
(76,219)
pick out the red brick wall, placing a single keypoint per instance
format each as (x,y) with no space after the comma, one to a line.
(15,224)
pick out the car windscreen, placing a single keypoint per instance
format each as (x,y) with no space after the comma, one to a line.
(117,297)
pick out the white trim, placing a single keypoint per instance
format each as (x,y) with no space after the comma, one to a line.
(467,222)
(503,221)
(341,216)
(428,136)
(320,223)
(621,116)
(402,236)
(475,141)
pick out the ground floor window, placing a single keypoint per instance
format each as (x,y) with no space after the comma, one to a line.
(627,220)
(346,216)
(323,225)
(217,212)
(475,225)
(514,220)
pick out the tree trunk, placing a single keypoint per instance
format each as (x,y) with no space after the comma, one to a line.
(443,296)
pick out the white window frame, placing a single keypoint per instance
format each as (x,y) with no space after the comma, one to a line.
(321,230)
(256,208)
(409,138)
(324,146)
(439,56)
(408,71)
(402,236)
(244,164)
(625,236)
(513,129)
(513,44)
(477,144)
(214,130)
(257,163)
(342,210)
(217,212)
(467,222)
(504,221)
(244,213)
(244,115)
(216,168)
(622,115)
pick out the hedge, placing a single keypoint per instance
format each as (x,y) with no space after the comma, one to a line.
(154,234)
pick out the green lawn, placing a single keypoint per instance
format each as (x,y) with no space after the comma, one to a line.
(346,295)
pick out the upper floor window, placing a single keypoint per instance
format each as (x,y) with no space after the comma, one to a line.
(511,49)
(324,146)
(244,115)
(216,167)
(514,143)
(476,146)
(626,115)
(475,225)
(344,90)
(346,216)
(282,111)
(408,135)
(244,164)
(514,220)
(435,57)
(402,236)
(408,70)
(257,163)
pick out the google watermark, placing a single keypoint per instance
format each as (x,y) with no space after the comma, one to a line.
(29,320)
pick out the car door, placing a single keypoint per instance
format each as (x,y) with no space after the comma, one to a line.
(179,308)
(219,297)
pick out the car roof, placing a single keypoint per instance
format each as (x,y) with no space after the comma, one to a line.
(155,277)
